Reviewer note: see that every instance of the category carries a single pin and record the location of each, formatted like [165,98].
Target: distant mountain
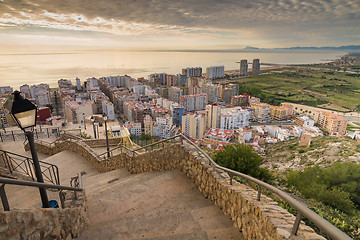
[348,47]
[249,47]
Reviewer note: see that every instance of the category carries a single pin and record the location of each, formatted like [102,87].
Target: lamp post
[84,120]
[24,113]
[106,134]
[93,123]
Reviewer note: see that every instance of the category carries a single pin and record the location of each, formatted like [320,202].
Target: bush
[242,158]
[337,186]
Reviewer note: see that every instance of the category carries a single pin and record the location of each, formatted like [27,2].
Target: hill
[324,151]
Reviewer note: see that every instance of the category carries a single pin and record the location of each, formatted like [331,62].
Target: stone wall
[49,223]
[262,219]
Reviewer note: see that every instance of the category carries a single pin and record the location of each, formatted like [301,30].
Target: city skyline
[163,25]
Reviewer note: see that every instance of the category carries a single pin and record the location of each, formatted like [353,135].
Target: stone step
[155,205]
[98,182]
[70,164]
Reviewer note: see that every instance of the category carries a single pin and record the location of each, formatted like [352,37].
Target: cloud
[227,18]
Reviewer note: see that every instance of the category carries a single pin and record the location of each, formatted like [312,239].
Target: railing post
[1,137]
[259,193]
[296,223]
[12,133]
[231,179]
[47,131]
[37,137]
[4,198]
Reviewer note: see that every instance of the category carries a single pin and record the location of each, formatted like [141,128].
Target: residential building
[304,121]
[139,89]
[243,67]
[334,124]
[192,72]
[133,127]
[228,91]
[235,119]
[212,91]
[175,93]
[194,102]
[240,100]
[92,84]
[78,84]
[74,112]
[215,72]
[255,67]
[25,89]
[177,111]
[262,112]
[193,125]
[253,100]
[163,127]
[213,114]
[148,125]
[171,80]
[158,78]
[216,136]
[5,91]
[278,113]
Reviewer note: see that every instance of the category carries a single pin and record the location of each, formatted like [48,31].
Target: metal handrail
[158,142]
[26,164]
[118,147]
[319,221]
[37,184]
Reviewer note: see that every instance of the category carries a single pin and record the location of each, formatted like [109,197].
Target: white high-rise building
[215,72]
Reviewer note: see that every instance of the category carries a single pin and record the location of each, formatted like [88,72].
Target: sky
[171,25]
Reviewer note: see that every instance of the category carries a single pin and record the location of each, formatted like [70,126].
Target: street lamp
[106,134]
[24,113]
[93,123]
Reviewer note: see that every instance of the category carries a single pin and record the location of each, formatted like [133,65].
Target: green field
[305,86]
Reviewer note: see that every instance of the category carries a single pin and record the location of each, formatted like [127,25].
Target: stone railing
[46,223]
[262,219]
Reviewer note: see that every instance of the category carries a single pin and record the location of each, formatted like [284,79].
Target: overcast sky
[178,24]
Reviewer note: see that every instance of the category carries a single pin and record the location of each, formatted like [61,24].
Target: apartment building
[215,72]
[262,112]
[334,124]
[194,102]
[193,125]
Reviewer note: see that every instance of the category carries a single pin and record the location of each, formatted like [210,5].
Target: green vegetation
[243,159]
[84,135]
[337,186]
[334,193]
[305,86]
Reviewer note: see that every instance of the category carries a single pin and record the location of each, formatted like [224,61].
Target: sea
[48,67]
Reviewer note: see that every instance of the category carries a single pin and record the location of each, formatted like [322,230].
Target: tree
[242,158]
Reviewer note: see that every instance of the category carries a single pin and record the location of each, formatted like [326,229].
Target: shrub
[242,158]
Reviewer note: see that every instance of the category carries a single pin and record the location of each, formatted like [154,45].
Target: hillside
[323,151]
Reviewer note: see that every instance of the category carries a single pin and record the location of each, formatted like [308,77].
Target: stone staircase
[154,205]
